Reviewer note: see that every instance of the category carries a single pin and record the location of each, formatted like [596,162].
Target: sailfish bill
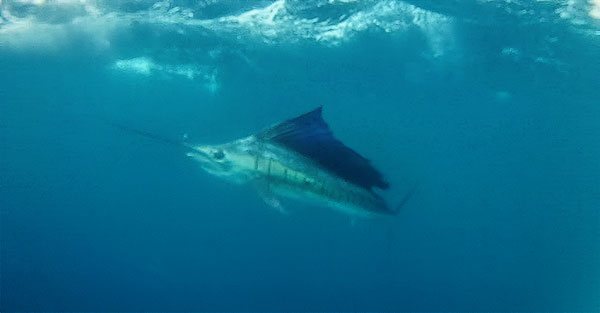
[298,158]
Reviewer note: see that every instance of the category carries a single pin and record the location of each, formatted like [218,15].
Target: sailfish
[298,158]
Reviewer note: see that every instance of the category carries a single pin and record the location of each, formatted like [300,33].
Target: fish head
[230,161]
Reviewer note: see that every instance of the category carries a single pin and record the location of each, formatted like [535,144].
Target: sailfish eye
[219,155]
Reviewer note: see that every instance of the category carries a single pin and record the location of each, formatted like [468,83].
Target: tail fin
[406,197]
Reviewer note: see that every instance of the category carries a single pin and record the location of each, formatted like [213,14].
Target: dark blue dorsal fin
[309,135]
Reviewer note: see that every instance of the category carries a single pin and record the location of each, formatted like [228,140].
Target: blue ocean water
[489,107]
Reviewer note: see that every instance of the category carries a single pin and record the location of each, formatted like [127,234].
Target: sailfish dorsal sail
[309,135]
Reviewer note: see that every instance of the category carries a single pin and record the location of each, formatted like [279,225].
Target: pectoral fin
[268,197]
[276,204]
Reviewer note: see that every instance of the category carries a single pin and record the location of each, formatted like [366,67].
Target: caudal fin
[405,199]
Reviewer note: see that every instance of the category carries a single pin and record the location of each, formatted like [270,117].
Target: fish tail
[405,199]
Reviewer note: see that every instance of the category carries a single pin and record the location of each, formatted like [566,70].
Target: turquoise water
[489,107]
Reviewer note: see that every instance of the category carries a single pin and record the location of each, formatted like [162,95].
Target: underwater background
[490,108]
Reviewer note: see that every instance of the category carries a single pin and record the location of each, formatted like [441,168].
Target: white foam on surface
[595,9]
[33,32]
[274,24]
[270,24]
[145,66]
[54,26]
[96,25]
[582,14]
[141,65]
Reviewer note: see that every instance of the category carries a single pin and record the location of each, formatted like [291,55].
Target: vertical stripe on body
[275,172]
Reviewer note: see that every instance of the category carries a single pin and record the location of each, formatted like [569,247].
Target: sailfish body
[298,158]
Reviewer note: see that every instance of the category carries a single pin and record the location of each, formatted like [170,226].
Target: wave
[193,33]
[330,22]
[46,24]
